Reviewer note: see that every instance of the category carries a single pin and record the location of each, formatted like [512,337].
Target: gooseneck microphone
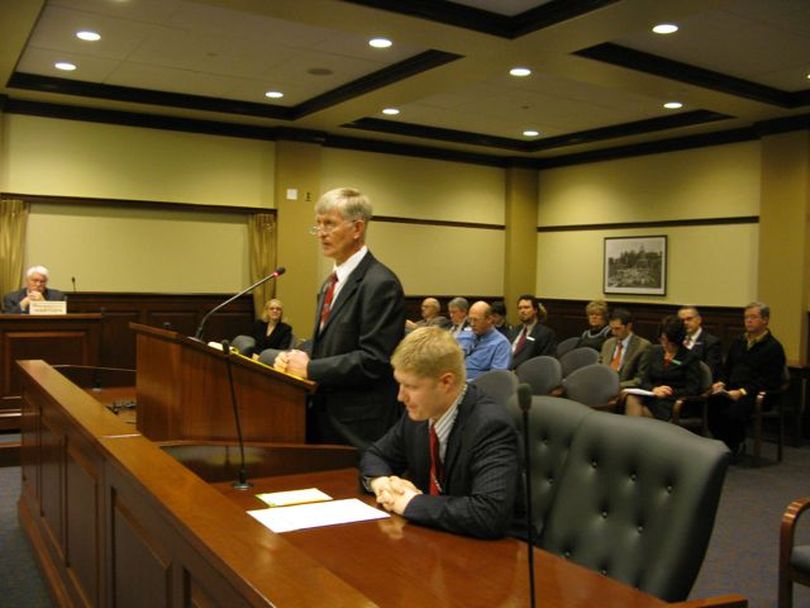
[524,397]
[275,274]
[241,482]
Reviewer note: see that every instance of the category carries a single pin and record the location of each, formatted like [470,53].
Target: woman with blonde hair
[270,331]
[598,329]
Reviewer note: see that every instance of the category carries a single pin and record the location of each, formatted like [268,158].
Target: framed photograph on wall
[635,265]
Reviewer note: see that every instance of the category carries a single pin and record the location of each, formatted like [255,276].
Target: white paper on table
[317,514]
[639,391]
[293,497]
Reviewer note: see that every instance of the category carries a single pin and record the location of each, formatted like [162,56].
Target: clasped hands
[720,387]
[293,362]
[393,493]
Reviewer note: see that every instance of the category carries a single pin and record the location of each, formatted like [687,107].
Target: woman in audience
[270,331]
[670,371]
[598,330]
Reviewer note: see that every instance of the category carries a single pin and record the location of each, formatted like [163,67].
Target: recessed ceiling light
[520,72]
[531,133]
[64,66]
[673,105]
[665,28]
[380,43]
[274,94]
[390,111]
[88,35]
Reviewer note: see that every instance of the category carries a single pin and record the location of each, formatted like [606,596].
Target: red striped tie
[436,468]
[327,299]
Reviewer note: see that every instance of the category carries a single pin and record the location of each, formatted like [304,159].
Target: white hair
[36,270]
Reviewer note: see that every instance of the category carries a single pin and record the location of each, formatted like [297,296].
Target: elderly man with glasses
[359,321]
[35,290]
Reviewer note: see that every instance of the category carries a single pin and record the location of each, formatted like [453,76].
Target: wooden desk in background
[116,520]
[69,338]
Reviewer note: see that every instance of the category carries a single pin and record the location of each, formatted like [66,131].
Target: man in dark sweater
[755,362]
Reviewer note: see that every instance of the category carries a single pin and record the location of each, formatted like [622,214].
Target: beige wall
[120,249]
[72,158]
[429,259]
[709,265]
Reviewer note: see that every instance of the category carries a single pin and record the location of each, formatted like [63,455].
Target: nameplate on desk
[45,307]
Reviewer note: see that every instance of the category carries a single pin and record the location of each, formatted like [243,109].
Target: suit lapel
[346,292]
[455,440]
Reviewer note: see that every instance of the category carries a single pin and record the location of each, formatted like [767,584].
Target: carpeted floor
[742,556]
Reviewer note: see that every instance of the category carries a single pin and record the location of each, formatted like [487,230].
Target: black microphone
[524,397]
[73,280]
[241,482]
[275,274]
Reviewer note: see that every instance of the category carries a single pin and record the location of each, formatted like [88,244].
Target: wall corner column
[784,238]
[520,241]
[298,166]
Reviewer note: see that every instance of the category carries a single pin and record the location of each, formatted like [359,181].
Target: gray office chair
[565,346]
[500,384]
[576,358]
[594,385]
[543,373]
[636,501]
[794,560]
[244,344]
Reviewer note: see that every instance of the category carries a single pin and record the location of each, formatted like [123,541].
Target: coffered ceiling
[599,75]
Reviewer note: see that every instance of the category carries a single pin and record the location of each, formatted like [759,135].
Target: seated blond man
[457,445]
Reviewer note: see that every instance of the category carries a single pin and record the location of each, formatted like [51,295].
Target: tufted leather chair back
[500,384]
[576,358]
[552,424]
[636,500]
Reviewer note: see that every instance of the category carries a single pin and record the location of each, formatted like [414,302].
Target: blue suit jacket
[481,468]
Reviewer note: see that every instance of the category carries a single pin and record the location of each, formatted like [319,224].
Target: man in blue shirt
[484,347]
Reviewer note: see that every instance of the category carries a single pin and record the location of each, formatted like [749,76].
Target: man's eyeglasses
[326,229]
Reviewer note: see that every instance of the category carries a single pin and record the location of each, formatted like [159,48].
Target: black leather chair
[632,498]
[794,560]
[543,373]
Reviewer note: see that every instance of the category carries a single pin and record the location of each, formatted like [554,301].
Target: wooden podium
[183,392]
[72,338]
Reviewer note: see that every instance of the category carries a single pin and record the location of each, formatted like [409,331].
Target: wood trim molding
[407,220]
[709,221]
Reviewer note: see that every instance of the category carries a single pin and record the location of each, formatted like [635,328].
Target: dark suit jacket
[481,468]
[540,341]
[280,338]
[756,369]
[11,301]
[350,356]
[632,368]
[709,350]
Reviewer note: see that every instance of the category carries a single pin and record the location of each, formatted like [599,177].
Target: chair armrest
[788,530]
[677,407]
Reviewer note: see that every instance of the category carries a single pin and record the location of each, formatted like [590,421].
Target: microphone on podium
[273,275]
[524,398]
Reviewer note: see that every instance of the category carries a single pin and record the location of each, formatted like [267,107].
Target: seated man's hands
[662,391]
[393,493]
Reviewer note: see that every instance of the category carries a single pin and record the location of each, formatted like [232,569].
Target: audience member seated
[270,331]
[484,347]
[499,318]
[598,329]
[35,290]
[705,346]
[457,446]
[755,362]
[531,338]
[457,309]
[623,351]
[671,371]
[430,316]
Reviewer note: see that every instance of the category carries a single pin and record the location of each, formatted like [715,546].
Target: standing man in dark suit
[360,321]
[36,289]
[456,445]
[531,338]
[704,346]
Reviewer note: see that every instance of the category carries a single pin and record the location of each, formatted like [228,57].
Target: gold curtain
[262,243]
[13,221]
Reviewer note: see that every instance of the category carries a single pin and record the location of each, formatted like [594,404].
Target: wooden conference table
[117,519]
